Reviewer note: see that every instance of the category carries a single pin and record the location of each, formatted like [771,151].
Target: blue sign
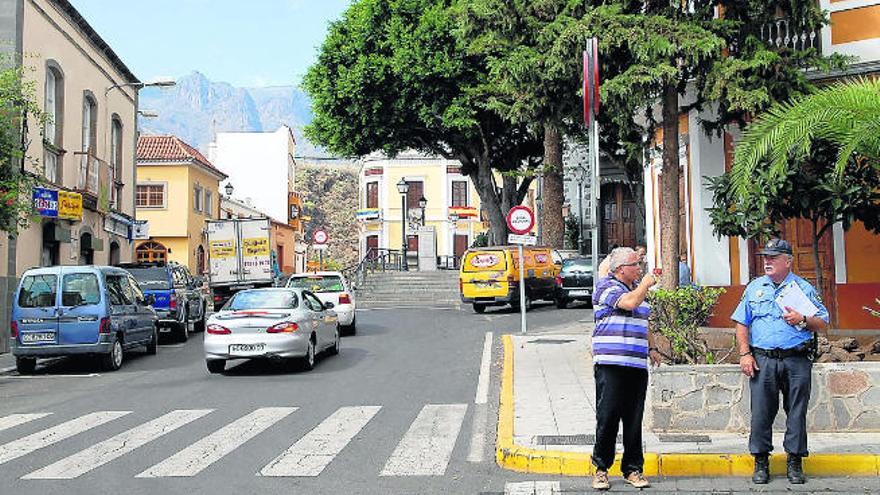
[46,202]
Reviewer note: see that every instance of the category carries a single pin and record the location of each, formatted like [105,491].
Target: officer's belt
[800,350]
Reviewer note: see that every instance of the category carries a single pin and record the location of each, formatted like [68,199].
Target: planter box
[845,398]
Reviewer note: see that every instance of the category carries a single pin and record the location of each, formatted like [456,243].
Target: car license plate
[246,348]
[579,293]
[37,337]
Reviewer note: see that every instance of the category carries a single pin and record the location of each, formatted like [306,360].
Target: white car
[330,287]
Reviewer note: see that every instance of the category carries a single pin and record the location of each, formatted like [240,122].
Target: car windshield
[38,291]
[80,289]
[318,283]
[262,299]
[577,266]
[151,278]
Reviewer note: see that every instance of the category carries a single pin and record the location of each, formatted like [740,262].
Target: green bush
[677,314]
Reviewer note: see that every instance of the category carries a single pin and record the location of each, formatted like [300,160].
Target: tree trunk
[820,282]
[490,202]
[553,225]
[669,191]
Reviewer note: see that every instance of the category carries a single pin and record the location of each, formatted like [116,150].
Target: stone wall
[845,397]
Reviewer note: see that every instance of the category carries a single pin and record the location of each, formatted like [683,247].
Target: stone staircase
[409,289]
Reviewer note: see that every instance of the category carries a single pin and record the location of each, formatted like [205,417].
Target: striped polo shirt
[620,337]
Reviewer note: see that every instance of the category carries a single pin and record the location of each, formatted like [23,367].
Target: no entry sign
[320,237]
[520,220]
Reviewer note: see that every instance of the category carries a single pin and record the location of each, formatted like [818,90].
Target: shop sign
[70,205]
[46,202]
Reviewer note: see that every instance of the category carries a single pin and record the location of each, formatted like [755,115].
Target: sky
[247,43]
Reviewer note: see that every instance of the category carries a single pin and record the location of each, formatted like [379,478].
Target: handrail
[375,259]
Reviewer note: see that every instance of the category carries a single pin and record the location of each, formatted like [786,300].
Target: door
[316,318]
[36,309]
[459,246]
[146,316]
[412,244]
[82,308]
[123,312]
[373,246]
[618,217]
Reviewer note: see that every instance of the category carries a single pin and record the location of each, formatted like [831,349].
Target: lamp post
[422,204]
[403,189]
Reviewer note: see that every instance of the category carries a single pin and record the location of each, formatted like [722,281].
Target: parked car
[490,276]
[574,282]
[271,323]
[180,303]
[80,310]
[331,287]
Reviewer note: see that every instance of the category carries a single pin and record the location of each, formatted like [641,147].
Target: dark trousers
[620,396]
[791,377]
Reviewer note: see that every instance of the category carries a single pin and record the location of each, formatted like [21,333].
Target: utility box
[427,249]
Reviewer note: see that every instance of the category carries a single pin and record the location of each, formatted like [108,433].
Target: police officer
[775,348]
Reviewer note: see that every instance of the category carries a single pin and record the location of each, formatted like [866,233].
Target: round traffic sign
[320,237]
[520,220]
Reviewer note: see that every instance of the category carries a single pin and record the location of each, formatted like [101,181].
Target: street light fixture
[422,204]
[229,189]
[403,189]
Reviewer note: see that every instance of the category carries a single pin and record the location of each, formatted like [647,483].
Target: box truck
[239,256]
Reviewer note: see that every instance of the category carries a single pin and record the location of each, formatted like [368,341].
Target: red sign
[591,81]
[520,220]
[320,237]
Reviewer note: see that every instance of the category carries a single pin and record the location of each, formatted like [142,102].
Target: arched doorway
[51,247]
[200,260]
[151,252]
[86,253]
[113,259]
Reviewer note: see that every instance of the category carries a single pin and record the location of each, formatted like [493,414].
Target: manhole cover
[683,438]
[551,341]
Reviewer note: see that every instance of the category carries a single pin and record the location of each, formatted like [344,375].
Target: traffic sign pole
[520,221]
[522,292]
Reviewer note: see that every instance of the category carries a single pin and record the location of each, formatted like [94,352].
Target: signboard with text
[526,240]
[520,220]
[70,205]
[45,202]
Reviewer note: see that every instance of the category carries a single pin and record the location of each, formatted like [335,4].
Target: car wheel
[112,361]
[153,344]
[200,325]
[561,302]
[334,349]
[352,329]
[183,330]
[216,365]
[479,308]
[308,361]
[25,365]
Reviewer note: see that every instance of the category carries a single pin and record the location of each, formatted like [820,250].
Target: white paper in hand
[791,296]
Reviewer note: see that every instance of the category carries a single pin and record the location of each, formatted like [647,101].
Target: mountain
[197,108]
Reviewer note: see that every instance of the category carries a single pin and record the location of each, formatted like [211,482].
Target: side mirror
[149,300]
[328,305]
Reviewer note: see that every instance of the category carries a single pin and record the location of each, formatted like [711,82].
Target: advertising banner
[46,202]
[70,205]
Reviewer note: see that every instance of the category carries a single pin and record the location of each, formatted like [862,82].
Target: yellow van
[490,276]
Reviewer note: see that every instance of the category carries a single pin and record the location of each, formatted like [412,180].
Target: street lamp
[403,189]
[229,188]
[422,204]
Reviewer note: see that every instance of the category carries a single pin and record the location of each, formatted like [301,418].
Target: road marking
[113,448]
[14,420]
[45,438]
[482,396]
[532,488]
[34,377]
[427,446]
[478,434]
[198,456]
[313,452]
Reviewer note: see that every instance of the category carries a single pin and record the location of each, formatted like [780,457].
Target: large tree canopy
[393,75]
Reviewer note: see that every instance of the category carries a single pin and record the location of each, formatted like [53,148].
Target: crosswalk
[425,448]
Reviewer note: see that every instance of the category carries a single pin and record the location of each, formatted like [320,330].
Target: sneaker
[637,479]
[600,481]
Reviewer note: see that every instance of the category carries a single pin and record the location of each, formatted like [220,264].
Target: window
[197,198]
[53,106]
[372,194]
[209,203]
[115,162]
[38,291]
[459,193]
[135,291]
[151,252]
[416,191]
[118,290]
[89,124]
[78,289]
[150,195]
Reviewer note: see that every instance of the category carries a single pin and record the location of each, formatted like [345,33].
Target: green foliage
[480,240]
[677,314]
[572,234]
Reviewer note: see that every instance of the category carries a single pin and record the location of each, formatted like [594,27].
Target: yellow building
[451,216]
[177,191]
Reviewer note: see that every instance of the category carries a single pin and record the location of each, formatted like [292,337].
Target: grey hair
[619,256]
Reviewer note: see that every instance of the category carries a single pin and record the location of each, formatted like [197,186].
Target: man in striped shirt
[621,347]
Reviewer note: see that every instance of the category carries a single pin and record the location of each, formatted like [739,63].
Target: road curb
[527,460]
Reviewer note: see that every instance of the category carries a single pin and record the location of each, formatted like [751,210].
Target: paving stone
[846,383]
[867,420]
[841,413]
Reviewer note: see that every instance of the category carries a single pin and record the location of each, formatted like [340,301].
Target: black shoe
[795,470]
[761,475]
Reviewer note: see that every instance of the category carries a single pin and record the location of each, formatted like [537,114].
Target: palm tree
[846,114]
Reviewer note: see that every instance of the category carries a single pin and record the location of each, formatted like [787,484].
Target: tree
[846,114]
[18,110]
[813,190]
[394,75]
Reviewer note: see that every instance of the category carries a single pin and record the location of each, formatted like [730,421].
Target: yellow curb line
[527,460]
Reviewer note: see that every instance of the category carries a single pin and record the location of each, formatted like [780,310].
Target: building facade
[178,189]
[848,259]
[84,160]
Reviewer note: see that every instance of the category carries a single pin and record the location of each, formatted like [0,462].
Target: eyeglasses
[634,263]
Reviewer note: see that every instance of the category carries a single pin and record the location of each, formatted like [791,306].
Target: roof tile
[170,149]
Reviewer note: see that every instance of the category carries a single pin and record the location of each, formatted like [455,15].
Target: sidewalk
[547,422]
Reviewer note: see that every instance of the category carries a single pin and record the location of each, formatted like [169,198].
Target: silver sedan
[271,323]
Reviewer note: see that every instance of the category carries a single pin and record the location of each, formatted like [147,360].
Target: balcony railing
[95,179]
[786,33]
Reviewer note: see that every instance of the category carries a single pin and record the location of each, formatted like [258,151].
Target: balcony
[95,181]
[786,33]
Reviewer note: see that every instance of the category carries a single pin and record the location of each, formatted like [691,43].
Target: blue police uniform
[781,351]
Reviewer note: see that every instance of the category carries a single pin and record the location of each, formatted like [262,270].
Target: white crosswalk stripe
[198,456]
[14,420]
[313,452]
[45,438]
[108,450]
[532,488]
[426,448]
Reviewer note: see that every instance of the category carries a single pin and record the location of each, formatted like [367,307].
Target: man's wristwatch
[744,354]
[803,323]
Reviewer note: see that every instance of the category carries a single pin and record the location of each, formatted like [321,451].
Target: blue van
[76,310]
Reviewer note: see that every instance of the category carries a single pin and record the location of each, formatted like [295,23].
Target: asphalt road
[401,410]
